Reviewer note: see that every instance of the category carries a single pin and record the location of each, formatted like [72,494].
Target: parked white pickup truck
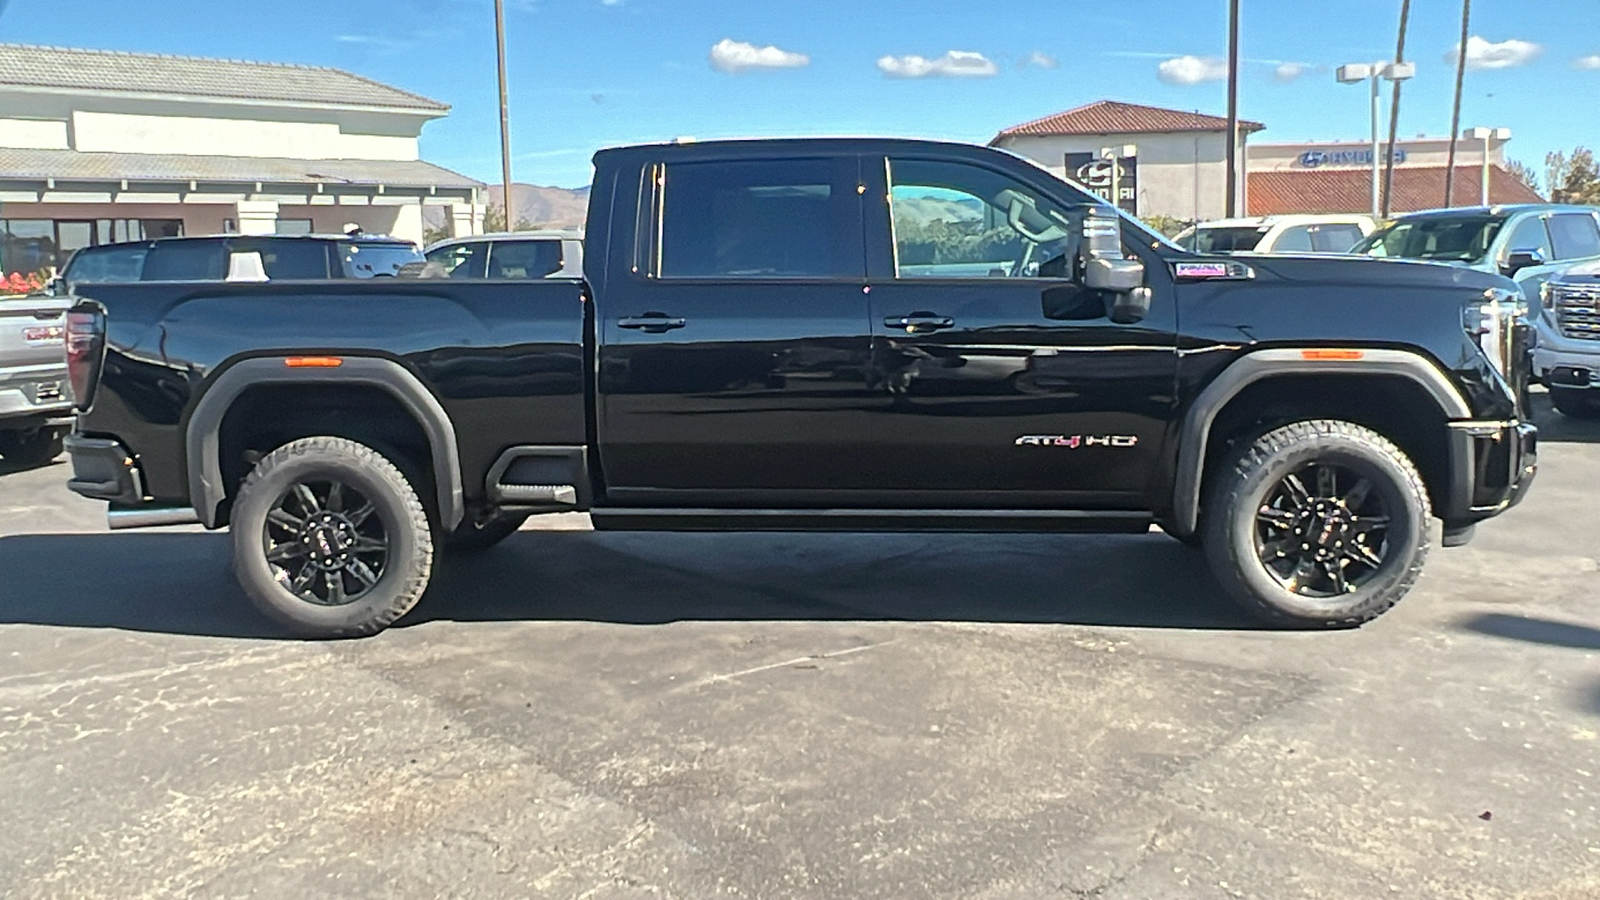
[35,394]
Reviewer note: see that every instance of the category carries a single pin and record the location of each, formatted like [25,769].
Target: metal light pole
[1375,73]
[1115,155]
[1232,204]
[1486,135]
[505,115]
[1455,115]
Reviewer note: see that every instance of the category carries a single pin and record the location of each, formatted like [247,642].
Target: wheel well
[264,418]
[1395,407]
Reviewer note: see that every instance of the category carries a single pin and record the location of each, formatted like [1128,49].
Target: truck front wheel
[1318,524]
[330,540]
[1576,403]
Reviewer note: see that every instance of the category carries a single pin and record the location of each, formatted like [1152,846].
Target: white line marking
[788,662]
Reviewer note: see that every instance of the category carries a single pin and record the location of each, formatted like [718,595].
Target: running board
[891,520]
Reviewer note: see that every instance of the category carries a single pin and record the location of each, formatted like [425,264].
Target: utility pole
[1455,117]
[1232,204]
[1394,111]
[505,115]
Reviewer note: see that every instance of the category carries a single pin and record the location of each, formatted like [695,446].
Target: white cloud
[1481,54]
[1040,59]
[1589,63]
[954,64]
[1192,70]
[1289,71]
[732,56]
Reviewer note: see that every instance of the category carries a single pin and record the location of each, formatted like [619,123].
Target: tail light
[86,350]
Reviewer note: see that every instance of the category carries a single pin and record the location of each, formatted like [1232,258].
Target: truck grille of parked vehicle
[1577,309]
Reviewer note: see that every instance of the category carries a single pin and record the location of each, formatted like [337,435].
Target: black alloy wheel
[1323,531]
[1316,524]
[324,543]
[330,539]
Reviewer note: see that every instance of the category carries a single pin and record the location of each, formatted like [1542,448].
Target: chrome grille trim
[1577,310]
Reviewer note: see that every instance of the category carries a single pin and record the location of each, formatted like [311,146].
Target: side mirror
[1521,259]
[1105,267]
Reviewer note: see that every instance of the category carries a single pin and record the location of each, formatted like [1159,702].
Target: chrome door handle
[652,323]
[920,323]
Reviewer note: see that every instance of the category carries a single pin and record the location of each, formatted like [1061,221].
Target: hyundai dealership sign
[1344,156]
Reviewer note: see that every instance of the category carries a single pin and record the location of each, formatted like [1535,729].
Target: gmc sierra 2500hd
[819,335]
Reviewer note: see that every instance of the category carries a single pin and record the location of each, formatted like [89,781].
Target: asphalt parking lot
[773,716]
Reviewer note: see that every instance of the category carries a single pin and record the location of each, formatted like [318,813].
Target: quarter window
[109,265]
[960,221]
[1574,236]
[758,219]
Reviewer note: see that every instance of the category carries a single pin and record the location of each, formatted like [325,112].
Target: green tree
[494,219]
[1573,179]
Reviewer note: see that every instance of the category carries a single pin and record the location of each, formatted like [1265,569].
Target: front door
[733,362]
[1009,386]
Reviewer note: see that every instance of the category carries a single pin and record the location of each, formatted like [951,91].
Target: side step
[886,520]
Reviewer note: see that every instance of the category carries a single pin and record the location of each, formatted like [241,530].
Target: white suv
[1279,234]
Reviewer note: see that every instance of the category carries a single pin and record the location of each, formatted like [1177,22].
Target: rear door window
[1574,236]
[187,260]
[759,219]
[107,265]
[524,259]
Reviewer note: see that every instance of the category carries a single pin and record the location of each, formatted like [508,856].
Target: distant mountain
[545,207]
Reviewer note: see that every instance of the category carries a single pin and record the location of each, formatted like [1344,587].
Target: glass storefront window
[29,246]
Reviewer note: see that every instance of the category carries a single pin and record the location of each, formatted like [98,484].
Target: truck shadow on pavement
[1549,632]
[180,583]
[1556,428]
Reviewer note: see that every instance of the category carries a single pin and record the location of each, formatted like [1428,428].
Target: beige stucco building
[97,147]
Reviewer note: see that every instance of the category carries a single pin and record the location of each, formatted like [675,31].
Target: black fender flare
[1263,364]
[202,438]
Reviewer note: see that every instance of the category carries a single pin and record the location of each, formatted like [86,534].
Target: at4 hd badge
[1076,441]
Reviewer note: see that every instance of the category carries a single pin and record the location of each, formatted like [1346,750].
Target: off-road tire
[406,569]
[1238,490]
[1576,403]
[470,537]
[33,446]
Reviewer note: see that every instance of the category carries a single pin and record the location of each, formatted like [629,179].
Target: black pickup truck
[856,335]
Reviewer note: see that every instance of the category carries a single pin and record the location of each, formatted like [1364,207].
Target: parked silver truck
[35,393]
[1567,356]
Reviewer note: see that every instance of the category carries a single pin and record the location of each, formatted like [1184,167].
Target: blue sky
[591,73]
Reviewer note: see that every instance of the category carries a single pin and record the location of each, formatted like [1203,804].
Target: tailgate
[32,332]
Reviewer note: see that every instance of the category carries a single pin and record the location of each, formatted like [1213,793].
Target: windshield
[377,260]
[1238,239]
[1455,239]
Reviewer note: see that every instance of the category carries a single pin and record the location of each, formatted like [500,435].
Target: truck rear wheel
[1318,524]
[330,540]
[32,446]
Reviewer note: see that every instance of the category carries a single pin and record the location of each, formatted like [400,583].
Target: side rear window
[1531,235]
[107,265]
[289,260]
[1337,238]
[1574,236]
[524,259]
[458,261]
[1294,240]
[186,260]
[759,219]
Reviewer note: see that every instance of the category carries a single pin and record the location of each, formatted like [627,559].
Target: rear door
[1009,386]
[733,355]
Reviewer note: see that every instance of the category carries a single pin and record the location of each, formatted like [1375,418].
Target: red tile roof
[1112,117]
[1283,191]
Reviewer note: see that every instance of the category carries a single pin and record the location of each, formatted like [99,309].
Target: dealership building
[98,147]
[1177,166]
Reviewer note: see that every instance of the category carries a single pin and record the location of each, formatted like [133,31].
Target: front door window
[959,221]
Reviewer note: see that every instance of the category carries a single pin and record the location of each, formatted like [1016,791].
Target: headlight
[1494,320]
